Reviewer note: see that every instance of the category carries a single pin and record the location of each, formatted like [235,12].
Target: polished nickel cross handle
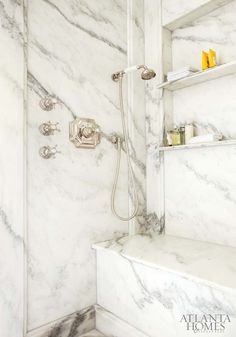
[47,152]
[48,128]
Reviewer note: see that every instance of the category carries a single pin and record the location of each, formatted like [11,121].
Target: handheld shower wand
[146,74]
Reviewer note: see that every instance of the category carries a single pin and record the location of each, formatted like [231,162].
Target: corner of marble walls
[73,325]
[12,168]
[154,220]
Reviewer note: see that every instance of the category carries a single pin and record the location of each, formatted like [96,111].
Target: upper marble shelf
[198,145]
[201,76]
[187,16]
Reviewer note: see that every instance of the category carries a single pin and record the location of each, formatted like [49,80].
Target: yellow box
[212,58]
[205,60]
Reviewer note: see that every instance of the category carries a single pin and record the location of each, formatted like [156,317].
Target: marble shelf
[201,76]
[190,16]
[198,145]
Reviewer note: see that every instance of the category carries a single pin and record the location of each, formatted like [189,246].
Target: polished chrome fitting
[47,152]
[48,128]
[85,133]
[115,77]
[48,103]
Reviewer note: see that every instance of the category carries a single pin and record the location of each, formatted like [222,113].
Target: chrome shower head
[147,74]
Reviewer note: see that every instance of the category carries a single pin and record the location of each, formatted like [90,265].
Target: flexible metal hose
[117,171]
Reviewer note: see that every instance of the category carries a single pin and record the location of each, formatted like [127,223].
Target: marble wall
[177,182]
[11,168]
[200,185]
[73,48]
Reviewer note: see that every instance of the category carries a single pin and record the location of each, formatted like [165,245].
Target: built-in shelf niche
[168,88]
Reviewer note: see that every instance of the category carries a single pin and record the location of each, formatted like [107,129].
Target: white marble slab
[11,168]
[209,263]
[136,108]
[74,47]
[154,118]
[154,300]
[200,194]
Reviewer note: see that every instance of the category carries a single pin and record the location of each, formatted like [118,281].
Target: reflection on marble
[70,326]
[154,299]
[201,205]
[74,47]
[11,168]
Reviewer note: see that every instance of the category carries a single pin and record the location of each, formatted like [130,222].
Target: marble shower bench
[153,284]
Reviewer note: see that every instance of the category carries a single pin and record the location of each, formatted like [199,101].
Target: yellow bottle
[205,60]
[212,58]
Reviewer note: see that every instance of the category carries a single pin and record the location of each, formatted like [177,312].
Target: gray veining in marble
[11,168]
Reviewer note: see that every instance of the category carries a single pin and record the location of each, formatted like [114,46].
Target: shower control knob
[87,132]
[48,103]
[48,128]
[47,152]
[84,133]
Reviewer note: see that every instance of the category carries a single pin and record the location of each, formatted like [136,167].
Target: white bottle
[188,132]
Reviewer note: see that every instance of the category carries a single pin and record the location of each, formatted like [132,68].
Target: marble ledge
[211,264]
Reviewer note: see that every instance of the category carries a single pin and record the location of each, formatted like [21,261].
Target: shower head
[147,74]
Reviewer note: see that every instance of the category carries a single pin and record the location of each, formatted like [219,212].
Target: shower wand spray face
[148,74]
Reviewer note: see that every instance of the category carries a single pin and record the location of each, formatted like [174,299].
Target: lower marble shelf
[198,145]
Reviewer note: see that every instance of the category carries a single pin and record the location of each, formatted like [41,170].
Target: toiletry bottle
[205,60]
[182,134]
[169,136]
[176,136]
[188,132]
[212,58]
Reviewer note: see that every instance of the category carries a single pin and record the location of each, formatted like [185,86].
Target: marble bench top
[209,263]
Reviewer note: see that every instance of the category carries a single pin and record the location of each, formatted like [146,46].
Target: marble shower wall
[191,176]
[11,167]
[200,184]
[73,48]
